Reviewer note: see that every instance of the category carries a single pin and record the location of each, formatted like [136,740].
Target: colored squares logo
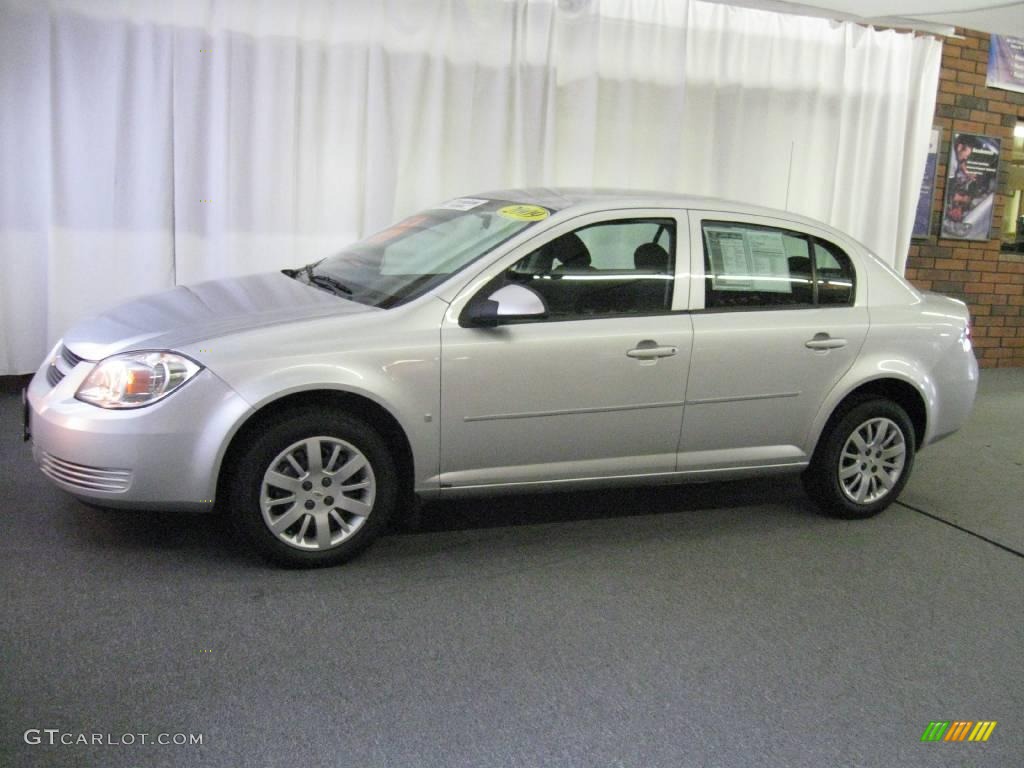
[982,730]
[958,730]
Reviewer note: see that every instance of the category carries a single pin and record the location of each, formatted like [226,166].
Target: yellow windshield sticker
[524,212]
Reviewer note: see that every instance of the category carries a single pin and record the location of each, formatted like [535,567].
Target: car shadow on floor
[192,537]
[202,537]
[558,507]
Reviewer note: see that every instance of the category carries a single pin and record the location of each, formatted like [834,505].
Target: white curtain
[149,143]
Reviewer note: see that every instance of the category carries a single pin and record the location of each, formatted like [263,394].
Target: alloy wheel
[317,493]
[872,460]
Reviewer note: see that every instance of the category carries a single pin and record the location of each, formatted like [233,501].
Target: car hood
[188,314]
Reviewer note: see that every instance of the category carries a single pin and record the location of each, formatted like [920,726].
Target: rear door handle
[824,341]
[650,350]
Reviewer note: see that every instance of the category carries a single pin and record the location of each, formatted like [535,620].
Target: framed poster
[923,217]
[970,187]
[1006,63]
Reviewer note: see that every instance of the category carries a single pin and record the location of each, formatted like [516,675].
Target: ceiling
[935,16]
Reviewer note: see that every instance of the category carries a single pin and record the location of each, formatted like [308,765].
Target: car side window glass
[834,274]
[611,268]
[747,265]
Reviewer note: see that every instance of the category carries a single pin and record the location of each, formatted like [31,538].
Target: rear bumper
[164,456]
[956,386]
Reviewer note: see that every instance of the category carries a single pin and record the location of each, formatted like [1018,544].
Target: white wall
[308,125]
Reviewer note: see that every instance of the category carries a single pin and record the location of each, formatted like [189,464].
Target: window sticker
[524,212]
[748,260]
[730,265]
[462,204]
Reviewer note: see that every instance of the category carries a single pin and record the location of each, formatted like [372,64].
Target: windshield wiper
[323,281]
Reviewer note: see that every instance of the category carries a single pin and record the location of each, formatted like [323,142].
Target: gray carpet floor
[714,625]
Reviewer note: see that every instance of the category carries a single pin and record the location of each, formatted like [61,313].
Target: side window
[612,268]
[752,266]
[612,246]
[747,265]
[834,275]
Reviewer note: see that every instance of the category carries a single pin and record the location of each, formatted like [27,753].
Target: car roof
[586,200]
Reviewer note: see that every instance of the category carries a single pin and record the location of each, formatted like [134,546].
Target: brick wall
[990,281]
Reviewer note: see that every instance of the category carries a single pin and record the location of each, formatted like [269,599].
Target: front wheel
[863,461]
[313,488]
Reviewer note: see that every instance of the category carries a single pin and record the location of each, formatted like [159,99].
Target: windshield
[411,257]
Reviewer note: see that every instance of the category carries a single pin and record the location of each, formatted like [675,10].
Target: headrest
[651,256]
[571,252]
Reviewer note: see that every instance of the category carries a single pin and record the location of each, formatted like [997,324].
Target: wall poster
[970,187]
[1006,63]
[923,217]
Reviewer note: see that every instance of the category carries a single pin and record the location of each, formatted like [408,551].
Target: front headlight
[135,379]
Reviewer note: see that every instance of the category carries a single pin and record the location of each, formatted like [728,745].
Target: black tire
[244,486]
[822,479]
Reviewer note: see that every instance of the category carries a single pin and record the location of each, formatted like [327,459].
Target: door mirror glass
[518,301]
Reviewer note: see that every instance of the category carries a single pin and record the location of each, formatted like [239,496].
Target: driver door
[595,388]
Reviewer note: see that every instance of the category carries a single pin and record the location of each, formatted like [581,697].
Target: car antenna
[789,172]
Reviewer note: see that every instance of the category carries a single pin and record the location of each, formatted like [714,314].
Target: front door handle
[650,350]
[824,341]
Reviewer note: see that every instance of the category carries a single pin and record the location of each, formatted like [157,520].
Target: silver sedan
[514,340]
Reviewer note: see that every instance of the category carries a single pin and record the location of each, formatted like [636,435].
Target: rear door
[779,315]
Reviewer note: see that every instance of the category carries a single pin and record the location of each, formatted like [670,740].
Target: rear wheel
[863,461]
[313,488]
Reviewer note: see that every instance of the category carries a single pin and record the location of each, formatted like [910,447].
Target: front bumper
[164,456]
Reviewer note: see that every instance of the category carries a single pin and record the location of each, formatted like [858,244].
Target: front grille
[69,357]
[61,365]
[82,476]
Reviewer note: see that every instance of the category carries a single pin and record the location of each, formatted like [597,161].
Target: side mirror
[512,302]
[480,314]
